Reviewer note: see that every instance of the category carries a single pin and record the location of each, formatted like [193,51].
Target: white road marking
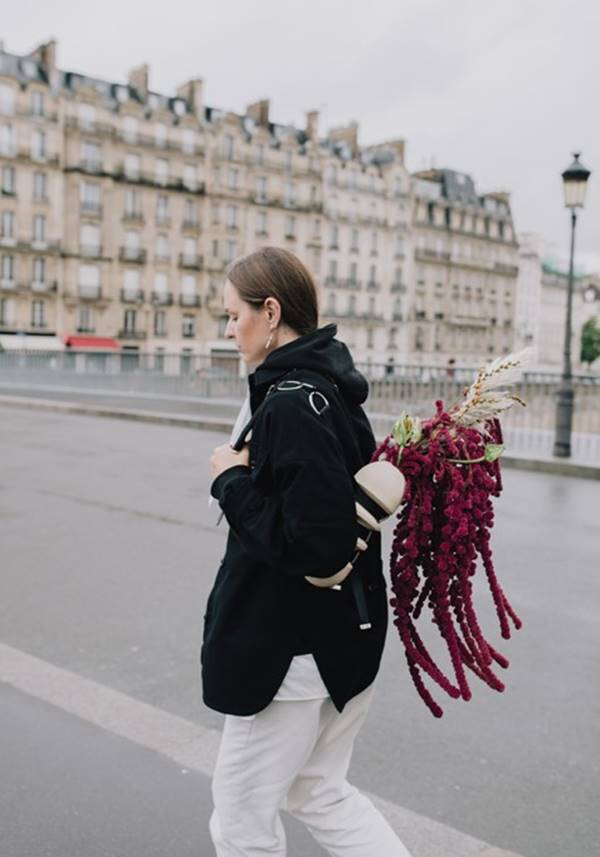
[195,747]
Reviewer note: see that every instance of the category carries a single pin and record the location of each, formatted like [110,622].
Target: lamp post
[574,185]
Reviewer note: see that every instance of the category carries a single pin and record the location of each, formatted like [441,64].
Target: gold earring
[268,342]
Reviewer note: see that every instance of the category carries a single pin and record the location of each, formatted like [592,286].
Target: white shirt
[303,679]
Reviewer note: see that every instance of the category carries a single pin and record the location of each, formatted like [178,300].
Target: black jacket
[291,514]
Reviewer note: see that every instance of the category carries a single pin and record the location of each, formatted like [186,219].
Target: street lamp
[574,185]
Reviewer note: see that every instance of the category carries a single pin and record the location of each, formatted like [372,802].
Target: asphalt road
[108,551]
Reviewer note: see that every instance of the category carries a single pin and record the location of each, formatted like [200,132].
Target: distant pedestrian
[450,367]
[290,663]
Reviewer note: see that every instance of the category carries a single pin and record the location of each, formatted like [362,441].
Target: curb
[224,425]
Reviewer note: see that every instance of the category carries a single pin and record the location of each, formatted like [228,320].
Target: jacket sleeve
[307,525]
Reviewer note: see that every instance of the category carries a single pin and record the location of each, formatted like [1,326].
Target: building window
[370,337]
[161,285]
[373,244]
[133,204]
[261,223]
[8,181]
[290,227]
[288,161]
[231,212]
[39,271]
[86,320]
[190,213]
[8,224]
[132,165]
[372,275]
[160,135]
[38,314]
[353,272]
[188,141]
[7,269]
[290,194]
[354,241]
[90,156]
[334,238]
[232,179]
[261,189]
[230,251]
[38,103]
[190,179]
[162,247]
[7,312]
[129,320]
[39,228]
[7,141]
[131,283]
[161,171]
[317,228]
[89,281]
[188,325]
[260,155]
[130,129]
[352,304]
[160,323]
[87,116]
[40,187]
[162,209]
[332,275]
[215,249]
[228,147]
[38,146]
[89,239]
[7,100]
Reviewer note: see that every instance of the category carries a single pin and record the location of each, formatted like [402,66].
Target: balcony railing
[132,254]
[191,260]
[131,334]
[90,252]
[398,287]
[132,296]
[189,300]
[93,209]
[133,217]
[43,285]
[89,293]
[90,166]
[191,224]
[162,298]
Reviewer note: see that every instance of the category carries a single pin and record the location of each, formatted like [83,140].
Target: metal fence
[411,388]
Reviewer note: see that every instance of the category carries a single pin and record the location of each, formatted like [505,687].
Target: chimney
[259,111]
[192,91]
[46,56]
[398,146]
[138,80]
[312,125]
[346,134]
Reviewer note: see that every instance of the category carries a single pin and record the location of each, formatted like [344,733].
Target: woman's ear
[273,310]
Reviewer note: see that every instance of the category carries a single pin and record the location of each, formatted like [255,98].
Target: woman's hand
[224,457]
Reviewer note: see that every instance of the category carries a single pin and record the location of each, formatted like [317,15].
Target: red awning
[104,343]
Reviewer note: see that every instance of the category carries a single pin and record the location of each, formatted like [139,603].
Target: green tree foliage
[590,341]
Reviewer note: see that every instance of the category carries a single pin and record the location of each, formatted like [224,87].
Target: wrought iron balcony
[191,260]
[132,296]
[132,254]
[162,298]
[189,300]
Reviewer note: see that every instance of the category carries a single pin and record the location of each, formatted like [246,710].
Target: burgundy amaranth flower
[452,472]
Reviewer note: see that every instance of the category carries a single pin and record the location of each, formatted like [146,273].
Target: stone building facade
[121,207]
[465,270]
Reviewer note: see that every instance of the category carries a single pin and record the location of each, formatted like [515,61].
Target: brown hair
[273,272]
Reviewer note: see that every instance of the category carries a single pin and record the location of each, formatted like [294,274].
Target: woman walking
[290,662]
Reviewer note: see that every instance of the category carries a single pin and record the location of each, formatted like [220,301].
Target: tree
[590,341]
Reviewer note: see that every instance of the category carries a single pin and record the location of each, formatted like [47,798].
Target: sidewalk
[220,418]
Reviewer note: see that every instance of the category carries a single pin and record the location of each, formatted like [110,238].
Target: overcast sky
[504,91]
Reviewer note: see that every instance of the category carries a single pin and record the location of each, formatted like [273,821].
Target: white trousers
[295,755]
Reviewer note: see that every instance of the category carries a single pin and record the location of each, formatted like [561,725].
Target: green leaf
[493,451]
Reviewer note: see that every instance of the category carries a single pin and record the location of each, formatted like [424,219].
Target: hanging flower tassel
[451,464]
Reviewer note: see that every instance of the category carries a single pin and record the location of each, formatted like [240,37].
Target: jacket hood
[321,352]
